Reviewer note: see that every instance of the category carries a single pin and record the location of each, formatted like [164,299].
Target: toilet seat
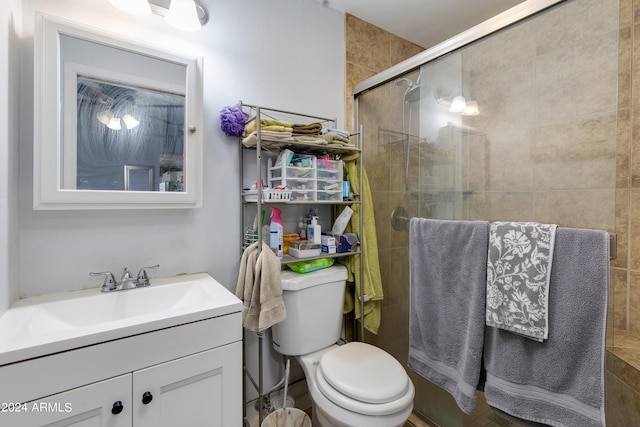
[364,379]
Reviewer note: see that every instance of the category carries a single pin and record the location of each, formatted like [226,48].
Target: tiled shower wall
[370,50]
[366,55]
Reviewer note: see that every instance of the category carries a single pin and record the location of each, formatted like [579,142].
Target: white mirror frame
[48,190]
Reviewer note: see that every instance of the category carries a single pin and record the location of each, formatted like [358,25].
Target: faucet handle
[109,281]
[126,275]
[142,278]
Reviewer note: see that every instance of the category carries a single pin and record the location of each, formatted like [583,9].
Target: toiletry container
[276,232]
[314,231]
[354,384]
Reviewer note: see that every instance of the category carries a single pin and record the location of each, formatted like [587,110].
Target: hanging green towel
[373,294]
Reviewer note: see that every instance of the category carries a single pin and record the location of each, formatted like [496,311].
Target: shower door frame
[491,25]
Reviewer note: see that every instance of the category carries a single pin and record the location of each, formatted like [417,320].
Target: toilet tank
[314,303]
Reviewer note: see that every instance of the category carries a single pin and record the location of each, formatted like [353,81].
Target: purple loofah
[232,120]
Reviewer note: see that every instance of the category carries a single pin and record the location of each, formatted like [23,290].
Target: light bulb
[183,15]
[471,109]
[114,123]
[133,7]
[458,104]
[129,121]
[104,116]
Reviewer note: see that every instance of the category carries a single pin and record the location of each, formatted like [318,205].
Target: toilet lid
[364,373]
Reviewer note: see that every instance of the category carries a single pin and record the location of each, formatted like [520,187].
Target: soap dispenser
[314,232]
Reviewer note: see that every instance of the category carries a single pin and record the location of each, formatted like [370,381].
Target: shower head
[404,81]
[413,94]
[414,90]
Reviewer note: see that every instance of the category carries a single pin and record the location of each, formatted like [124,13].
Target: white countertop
[38,326]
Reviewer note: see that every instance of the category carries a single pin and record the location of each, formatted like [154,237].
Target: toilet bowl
[360,397]
[352,385]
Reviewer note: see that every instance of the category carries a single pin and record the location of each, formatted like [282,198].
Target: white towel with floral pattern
[518,271]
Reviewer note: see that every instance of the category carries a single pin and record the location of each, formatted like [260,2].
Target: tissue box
[327,240]
[328,244]
[347,242]
[329,249]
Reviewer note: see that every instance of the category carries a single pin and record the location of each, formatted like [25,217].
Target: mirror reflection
[128,138]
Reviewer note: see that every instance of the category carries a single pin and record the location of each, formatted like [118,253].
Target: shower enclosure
[520,125]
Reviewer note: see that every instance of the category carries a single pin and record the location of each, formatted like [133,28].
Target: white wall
[9,133]
[282,53]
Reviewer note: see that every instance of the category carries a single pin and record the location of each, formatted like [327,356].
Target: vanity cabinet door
[103,404]
[204,389]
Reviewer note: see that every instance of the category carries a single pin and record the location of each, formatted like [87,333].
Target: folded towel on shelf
[342,133]
[310,128]
[310,140]
[371,279]
[335,139]
[559,381]
[447,275]
[260,288]
[267,124]
[518,272]
[267,136]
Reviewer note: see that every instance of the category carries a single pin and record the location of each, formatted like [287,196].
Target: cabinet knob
[147,397]
[117,407]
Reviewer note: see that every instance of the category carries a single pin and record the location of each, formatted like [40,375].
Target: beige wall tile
[634,301]
[366,44]
[635,148]
[635,69]
[573,22]
[634,229]
[577,80]
[576,154]
[625,50]
[623,149]
[578,208]
[622,228]
[622,404]
[619,299]
[401,49]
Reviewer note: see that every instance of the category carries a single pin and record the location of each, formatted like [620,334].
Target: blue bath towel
[560,381]
[448,274]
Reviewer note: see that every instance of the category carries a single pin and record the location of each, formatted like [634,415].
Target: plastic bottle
[302,229]
[314,233]
[276,232]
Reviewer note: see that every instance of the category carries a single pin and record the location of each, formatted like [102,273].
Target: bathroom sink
[42,325]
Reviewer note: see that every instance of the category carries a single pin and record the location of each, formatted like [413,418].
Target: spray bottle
[276,232]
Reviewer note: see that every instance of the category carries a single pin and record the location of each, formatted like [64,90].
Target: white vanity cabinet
[188,375]
[193,391]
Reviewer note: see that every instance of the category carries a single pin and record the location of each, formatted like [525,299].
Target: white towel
[518,272]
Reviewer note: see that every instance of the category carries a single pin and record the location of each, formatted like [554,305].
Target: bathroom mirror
[117,124]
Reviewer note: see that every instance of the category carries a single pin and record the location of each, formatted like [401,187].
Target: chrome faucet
[127,281]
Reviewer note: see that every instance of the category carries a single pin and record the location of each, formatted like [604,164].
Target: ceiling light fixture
[183,15]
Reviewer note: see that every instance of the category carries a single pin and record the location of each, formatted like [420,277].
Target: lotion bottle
[276,232]
[313,231]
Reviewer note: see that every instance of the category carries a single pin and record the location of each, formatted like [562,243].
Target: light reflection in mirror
[123,130]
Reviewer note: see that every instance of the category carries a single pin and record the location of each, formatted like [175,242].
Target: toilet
[350,385]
